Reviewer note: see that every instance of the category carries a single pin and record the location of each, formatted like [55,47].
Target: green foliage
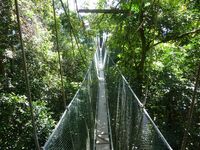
[43,69]
[156,46]
[7,42]
[16,130]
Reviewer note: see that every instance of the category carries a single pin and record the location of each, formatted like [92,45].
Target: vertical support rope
[73,33]
[28,91]
[59,58]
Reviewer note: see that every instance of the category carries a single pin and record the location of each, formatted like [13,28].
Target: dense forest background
[155,45]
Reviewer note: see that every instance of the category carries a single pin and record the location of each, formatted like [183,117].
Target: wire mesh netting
[132,128]
[129,124]
[75,130]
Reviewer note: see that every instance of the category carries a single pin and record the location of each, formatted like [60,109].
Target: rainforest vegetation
[155,44]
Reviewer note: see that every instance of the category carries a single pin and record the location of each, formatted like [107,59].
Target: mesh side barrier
[130,125]
[75,130]
[132,128]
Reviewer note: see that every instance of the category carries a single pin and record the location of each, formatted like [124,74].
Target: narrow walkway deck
[105,115]
[102,127]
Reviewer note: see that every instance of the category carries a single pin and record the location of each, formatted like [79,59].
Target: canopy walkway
[105,114]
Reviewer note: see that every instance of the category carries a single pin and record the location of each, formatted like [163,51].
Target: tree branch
[106,11]
[197,31]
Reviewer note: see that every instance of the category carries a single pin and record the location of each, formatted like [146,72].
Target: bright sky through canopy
[82,4]
[89,4]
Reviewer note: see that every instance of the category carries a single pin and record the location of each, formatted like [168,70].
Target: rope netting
[132,127]
[75,130]
[129,125]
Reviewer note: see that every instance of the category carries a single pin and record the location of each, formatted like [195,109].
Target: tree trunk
[190,114]
[144,50]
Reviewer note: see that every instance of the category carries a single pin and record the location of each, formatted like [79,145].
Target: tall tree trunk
[190,114]
[144,50]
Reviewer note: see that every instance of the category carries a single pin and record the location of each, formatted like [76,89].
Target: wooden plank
[105,11]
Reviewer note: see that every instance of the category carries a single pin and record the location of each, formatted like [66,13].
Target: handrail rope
[157,130]
[27,79]
[71,32]
[148,80]
[139,102]
[68,107]
[59,58]
[79,16]
[81,19]
[76,5]
[75,37]
[142,106]
[109,124]
[72,42]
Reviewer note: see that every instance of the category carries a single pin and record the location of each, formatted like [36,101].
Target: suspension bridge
[105,114]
